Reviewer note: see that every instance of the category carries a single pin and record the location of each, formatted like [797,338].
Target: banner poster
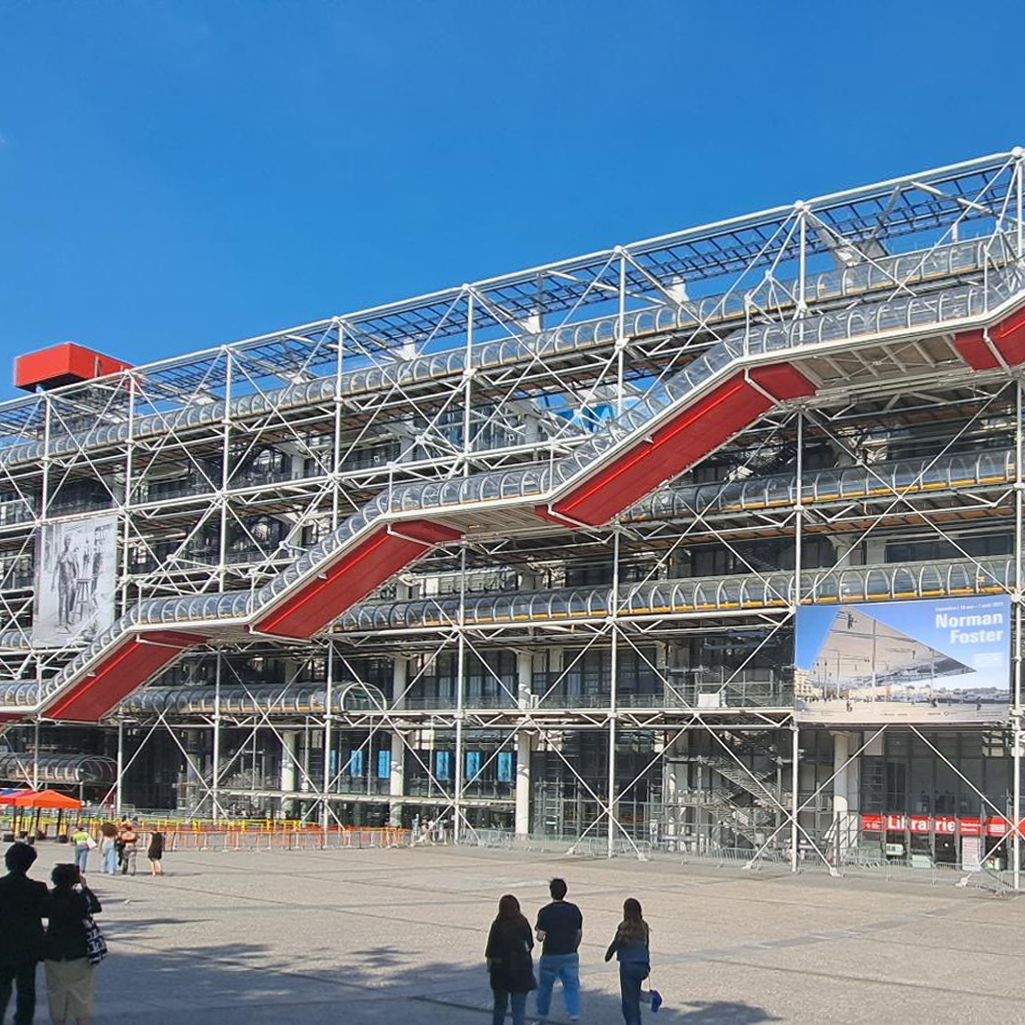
[75,580]
[938,661]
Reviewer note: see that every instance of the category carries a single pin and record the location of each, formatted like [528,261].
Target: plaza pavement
[397,936]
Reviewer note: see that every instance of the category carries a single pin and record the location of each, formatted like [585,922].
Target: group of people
[69,946]
[559,929]
[119,849]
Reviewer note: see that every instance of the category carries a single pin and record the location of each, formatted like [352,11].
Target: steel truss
[225,466]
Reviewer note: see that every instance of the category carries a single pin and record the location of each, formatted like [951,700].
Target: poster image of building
[946,660]
[75,580]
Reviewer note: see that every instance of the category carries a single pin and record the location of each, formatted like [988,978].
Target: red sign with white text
[944,825]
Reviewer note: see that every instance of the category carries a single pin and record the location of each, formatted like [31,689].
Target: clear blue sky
[177,174]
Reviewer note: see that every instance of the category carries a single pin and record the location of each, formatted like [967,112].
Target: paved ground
[397,936]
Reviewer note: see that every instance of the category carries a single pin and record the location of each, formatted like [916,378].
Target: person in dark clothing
[70,982]
[509,962]
[630,945]
[559,931]
[155,853]
[22,902]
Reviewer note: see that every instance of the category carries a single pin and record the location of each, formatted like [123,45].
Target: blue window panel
[473,763]
[383,764]
[505,767]
[356,763]
[443,765]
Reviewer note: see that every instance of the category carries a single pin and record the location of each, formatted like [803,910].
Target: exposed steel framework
[437,478]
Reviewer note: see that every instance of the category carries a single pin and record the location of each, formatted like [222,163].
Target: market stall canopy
[9,795]
[45,799]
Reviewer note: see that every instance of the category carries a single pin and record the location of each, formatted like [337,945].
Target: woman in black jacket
[509,962]
[70,984]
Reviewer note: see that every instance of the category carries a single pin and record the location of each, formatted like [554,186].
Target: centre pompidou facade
[709,543]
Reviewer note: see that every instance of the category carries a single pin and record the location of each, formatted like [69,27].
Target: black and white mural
[75,580]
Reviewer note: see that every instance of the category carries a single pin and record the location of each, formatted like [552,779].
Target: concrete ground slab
[398,935]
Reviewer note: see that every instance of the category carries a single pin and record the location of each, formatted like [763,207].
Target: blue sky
[177,174]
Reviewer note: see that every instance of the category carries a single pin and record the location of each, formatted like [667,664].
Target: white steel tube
[795,754]
[325,808]
[120,767]
[215,769]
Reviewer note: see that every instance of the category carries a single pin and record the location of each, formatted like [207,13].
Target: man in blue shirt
[560,927]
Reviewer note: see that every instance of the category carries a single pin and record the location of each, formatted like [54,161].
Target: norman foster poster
[943,660]
[75,580]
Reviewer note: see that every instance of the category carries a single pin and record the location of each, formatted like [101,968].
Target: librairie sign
[942,825]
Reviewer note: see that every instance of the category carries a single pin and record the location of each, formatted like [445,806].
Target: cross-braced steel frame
[670,622]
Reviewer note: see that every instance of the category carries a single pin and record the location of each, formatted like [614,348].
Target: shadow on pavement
[245,982]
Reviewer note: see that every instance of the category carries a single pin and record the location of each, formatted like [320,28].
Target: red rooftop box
[63,364]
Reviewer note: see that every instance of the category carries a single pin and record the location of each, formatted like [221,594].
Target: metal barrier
[546,843]
[285,840]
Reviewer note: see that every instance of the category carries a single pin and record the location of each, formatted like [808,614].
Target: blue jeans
[109,853]
[559,966]
[519,1007]
[81,856]
[631,975]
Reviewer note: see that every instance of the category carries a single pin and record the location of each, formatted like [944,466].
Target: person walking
[560,928]
[21,932]
[119,842]
[70,982]
[155,853]
[631,947]
[129,850]
[84,843]
[510,965]
[108,848]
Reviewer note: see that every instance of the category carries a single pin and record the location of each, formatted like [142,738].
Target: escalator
[683,417]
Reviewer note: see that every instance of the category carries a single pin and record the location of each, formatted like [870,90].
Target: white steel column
[397,764]
[325,809]
[289,755]
[798,539]
[794,792]
[215,769]
[120,767]
[614,674]
[457,803]
[525,677]
[35,756]
[222,556]
[841,799]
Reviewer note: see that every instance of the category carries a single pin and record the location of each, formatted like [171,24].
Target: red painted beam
[127,667]
[783,381]
[679,443]
[353,577]
[1007,337]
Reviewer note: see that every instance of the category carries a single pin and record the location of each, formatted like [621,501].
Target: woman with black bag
[73,947]
[509,961]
